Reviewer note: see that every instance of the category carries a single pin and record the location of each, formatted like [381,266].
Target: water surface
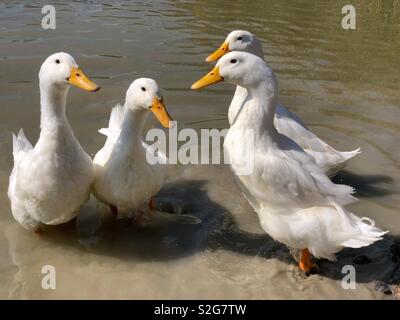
[343,84]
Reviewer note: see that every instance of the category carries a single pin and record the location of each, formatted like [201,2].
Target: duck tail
[358,232]
[343,158]
[21,145]
[366,234]
[347,155]
[115,122]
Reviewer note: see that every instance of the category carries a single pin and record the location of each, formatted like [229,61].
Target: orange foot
[306,264]
[114,210]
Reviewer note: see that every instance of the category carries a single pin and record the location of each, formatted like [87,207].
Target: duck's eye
[58,61]
[143,89]
[239,38]
[233,61]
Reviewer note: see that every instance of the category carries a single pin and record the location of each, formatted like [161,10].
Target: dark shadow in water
[378,263]
[217,231]
[366,186]
[172,239]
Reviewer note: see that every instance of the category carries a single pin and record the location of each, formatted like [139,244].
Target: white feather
[296,202]
[286,122]
[51,181]
[124,175]
[21,145]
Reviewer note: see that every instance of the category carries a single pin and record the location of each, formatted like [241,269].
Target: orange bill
[161,113]
[212,77]
[79,79]
[222,50]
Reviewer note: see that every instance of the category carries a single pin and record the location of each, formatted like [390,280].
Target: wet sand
[343,84]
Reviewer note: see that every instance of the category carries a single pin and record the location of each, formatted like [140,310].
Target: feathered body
[286,122]
[128,172]
[330,160]
[50,181]
[124,177]
[297,204]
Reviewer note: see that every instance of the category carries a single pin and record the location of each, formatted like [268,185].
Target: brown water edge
[344,84]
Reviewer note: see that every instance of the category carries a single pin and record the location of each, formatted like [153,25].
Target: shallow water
[343,84]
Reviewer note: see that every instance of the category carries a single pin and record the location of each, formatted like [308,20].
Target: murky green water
[343,84]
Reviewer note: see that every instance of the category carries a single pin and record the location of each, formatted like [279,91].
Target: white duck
[296,202]
[128,172]
[51,181]
[286,122]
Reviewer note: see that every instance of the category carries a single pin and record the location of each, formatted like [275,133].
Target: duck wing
[21,146]
[114,124]
[303,184]
[328,158]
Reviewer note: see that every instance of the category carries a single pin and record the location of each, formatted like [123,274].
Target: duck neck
[132,127]
[241,92]
[53,100]
[256,49]
[259,109]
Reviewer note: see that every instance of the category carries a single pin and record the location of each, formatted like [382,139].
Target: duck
[50,181]
[296,202]
[129,172]
[286,122]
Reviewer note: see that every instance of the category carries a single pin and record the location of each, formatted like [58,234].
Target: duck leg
[114,210]
[306,264]
[152,208]
[38,231]
[152,204]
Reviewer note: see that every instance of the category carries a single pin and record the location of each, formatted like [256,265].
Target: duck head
[238,40]
[238,68]
[144,94]
[61,70]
